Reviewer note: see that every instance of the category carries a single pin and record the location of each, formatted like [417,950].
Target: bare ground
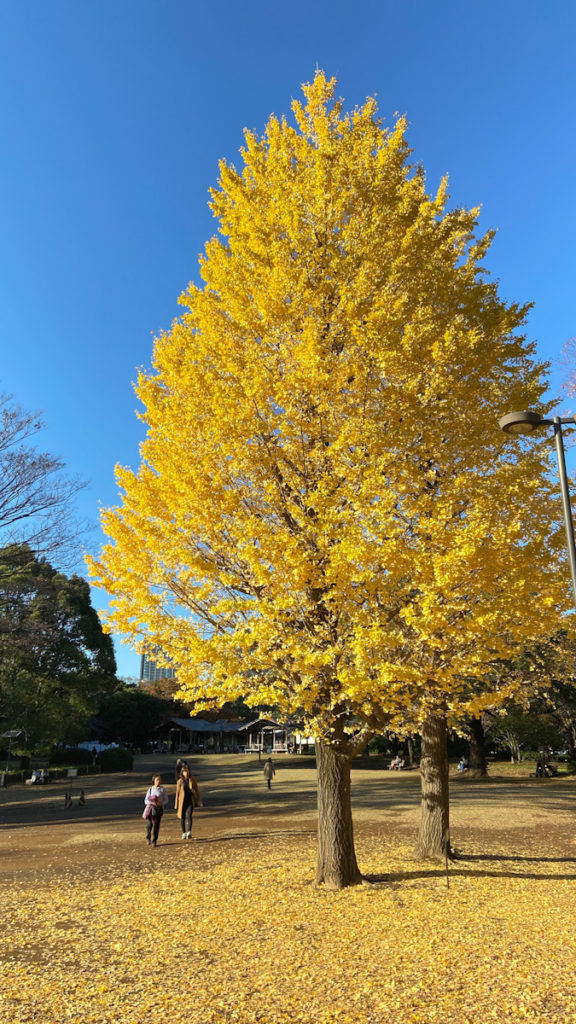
[40,838]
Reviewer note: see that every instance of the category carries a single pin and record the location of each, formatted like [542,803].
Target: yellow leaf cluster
[326,516]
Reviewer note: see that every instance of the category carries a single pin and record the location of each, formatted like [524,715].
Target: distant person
[156,799]
[187,796]
[269,772]
[463,764]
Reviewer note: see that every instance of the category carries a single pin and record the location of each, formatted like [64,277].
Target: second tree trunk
[434,837]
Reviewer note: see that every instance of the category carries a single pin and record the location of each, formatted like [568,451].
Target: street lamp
[524,423]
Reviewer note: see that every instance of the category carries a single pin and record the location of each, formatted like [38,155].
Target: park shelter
[263,735]
[196,735]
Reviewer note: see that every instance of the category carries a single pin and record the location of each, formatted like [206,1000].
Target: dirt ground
[41,838]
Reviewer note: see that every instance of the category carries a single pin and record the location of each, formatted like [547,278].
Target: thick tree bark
[336,865]
[477,763]
[433,836]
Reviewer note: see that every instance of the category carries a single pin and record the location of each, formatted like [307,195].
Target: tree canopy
[325,499]
[130,715]
[326,516]
[54,656]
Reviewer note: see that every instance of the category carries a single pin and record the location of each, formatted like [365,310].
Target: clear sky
[114,116]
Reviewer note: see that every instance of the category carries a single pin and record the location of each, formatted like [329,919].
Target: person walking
[269,772]
[187,796]
[156,800]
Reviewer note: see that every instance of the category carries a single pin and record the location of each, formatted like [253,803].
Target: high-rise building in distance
[150,672]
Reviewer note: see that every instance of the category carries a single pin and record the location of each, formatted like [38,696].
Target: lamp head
[520,422]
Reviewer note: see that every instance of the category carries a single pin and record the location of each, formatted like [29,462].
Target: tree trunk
[336,865]
[571,731]
[477,763]
[433,836]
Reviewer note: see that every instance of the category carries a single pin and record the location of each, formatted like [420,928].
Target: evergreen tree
[54,656]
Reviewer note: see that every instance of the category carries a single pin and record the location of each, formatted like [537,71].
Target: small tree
[326,517]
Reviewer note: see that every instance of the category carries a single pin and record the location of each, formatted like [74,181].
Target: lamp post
[524,423]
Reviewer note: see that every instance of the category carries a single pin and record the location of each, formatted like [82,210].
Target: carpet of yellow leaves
[234,932]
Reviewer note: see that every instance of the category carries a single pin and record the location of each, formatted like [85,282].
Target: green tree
[130,715]
[54,656]
[519,729]
[555,665]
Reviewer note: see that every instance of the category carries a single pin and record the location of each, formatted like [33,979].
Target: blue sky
[114,116]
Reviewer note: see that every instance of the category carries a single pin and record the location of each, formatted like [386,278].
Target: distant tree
[130,715]
[544,674]
[36,497]
[561,705]
[556,671]
[241,710]
[326,517]
[477,761]
[519,729]
[54,655]
[165,688]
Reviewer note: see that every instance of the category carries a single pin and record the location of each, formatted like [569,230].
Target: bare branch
[35,496]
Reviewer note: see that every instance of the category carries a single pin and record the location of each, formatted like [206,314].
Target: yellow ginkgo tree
[326,517]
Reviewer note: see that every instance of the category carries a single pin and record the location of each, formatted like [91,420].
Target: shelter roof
[201,725]
[263,722]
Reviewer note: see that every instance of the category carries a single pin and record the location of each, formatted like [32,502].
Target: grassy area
[525,769]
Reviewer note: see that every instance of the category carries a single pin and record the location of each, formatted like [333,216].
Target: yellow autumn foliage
[326,516]
[239,936]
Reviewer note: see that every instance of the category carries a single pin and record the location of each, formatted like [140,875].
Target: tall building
[150,672]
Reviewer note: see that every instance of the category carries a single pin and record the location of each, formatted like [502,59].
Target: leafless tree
[36,496]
